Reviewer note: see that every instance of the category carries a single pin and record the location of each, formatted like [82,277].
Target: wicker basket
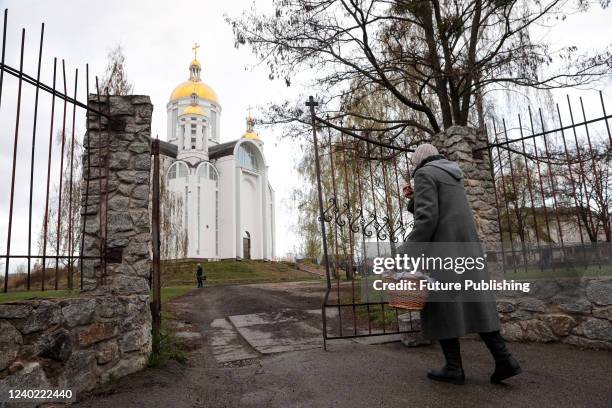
[406,299]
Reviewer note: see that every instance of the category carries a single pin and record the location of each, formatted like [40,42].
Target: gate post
[117,220]
[467,147]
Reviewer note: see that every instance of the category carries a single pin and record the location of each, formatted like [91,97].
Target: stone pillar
[104,333]
[125,214]
[459,144]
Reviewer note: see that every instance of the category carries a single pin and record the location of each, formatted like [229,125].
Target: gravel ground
[349,374]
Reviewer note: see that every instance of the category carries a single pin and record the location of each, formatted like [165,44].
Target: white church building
[227,202]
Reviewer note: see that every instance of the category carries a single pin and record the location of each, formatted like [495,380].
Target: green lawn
[37,294]
[178,278]
[171,292]
[181,273]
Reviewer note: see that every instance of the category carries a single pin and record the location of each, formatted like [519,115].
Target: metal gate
[553,194]
[45,200]
[553,188]
[362,215]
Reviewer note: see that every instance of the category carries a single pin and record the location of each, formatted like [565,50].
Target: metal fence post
[311,104]
[156,305]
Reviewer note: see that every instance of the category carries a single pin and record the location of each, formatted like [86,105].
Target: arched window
[178,169]
[248,157]
[213,125]
[207,171]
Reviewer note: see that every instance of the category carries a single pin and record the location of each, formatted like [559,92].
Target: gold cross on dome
[249,111]
[195,50]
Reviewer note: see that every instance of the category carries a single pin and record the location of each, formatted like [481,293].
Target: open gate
[362,215]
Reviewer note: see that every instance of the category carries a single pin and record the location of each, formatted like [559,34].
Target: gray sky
[157,37]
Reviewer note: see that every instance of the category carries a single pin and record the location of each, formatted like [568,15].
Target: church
[227,204]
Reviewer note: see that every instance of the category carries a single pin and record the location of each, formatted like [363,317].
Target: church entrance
[246,245]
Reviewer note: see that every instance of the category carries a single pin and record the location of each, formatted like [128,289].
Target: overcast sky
[157,37]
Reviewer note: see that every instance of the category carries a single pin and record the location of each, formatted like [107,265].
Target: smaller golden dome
[196,63]
[250,135]
[193,110]
[250,122]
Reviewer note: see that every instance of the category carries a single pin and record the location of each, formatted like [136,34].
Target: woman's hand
[408,191]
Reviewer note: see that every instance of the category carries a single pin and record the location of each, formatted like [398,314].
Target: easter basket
[408,299]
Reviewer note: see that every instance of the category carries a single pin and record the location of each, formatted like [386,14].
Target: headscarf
[423,152]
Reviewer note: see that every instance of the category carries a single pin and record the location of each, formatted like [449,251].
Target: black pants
[200,282]
[493,340]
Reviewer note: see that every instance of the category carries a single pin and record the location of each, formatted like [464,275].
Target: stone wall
[575,311]
[572,311]
[105,333]
[459,144]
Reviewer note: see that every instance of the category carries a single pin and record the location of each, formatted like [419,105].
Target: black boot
[452,372]
[506,366]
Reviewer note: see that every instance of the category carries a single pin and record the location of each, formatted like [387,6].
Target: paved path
[260,347]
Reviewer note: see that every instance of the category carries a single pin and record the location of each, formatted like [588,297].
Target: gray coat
[442,214]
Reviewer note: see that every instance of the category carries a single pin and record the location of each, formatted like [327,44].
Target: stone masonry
[459,144]
[572,311]
[105,333]
[575,311]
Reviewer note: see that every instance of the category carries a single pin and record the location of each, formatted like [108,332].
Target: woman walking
[442,214]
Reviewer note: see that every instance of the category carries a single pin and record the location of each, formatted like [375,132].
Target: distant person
[442,214]
[200,276]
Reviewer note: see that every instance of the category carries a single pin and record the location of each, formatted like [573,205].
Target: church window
[193,134]
[199,221]
[172,173]
[213,175]
[186,204]
[177,169]
[213,125]
[207,171]
[217,221]
[248,157]
[174,120]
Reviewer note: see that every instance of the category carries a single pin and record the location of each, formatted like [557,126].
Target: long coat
[442,214]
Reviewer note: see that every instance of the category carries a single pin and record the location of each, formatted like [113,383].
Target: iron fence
[47,201]
[553,188]
[552,198]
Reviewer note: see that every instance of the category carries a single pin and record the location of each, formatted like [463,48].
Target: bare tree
[173,233]
[63,235]
[433,57]
[115,77]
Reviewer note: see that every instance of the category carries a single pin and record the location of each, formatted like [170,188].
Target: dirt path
[348,375]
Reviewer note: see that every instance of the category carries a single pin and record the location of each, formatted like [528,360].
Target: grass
[178,278]
[171,292]
[180,273]
[166,347]
[37,294]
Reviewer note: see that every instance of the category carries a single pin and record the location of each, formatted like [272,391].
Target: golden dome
[193,110]
[194,84]
[250,135]
[185,90]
